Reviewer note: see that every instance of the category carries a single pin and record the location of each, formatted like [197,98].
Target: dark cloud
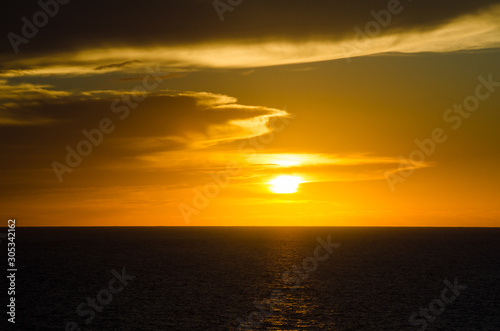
[140,78]
[162,122]
[117,65]
[84,24]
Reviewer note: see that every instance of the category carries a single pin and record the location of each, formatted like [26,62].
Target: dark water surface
[210,278]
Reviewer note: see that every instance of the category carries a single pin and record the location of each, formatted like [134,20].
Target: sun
[285,184]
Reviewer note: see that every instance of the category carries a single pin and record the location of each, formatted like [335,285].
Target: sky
[250,113]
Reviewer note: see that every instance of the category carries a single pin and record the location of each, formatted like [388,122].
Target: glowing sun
[285,184]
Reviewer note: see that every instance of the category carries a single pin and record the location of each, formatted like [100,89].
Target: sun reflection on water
[296,305]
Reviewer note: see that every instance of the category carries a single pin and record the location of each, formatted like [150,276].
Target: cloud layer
[186,34]
[38,124]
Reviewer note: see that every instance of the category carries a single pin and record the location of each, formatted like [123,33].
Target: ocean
[256,278]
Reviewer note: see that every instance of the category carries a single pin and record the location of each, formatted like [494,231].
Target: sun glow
[286,162]
[285,184]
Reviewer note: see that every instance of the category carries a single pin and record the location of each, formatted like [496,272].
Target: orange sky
[108,129]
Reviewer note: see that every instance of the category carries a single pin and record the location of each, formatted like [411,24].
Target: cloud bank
[188,34]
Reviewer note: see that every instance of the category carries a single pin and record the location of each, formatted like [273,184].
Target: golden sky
[381,113]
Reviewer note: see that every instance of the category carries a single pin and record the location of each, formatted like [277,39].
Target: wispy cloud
[117,65]
[167,121]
